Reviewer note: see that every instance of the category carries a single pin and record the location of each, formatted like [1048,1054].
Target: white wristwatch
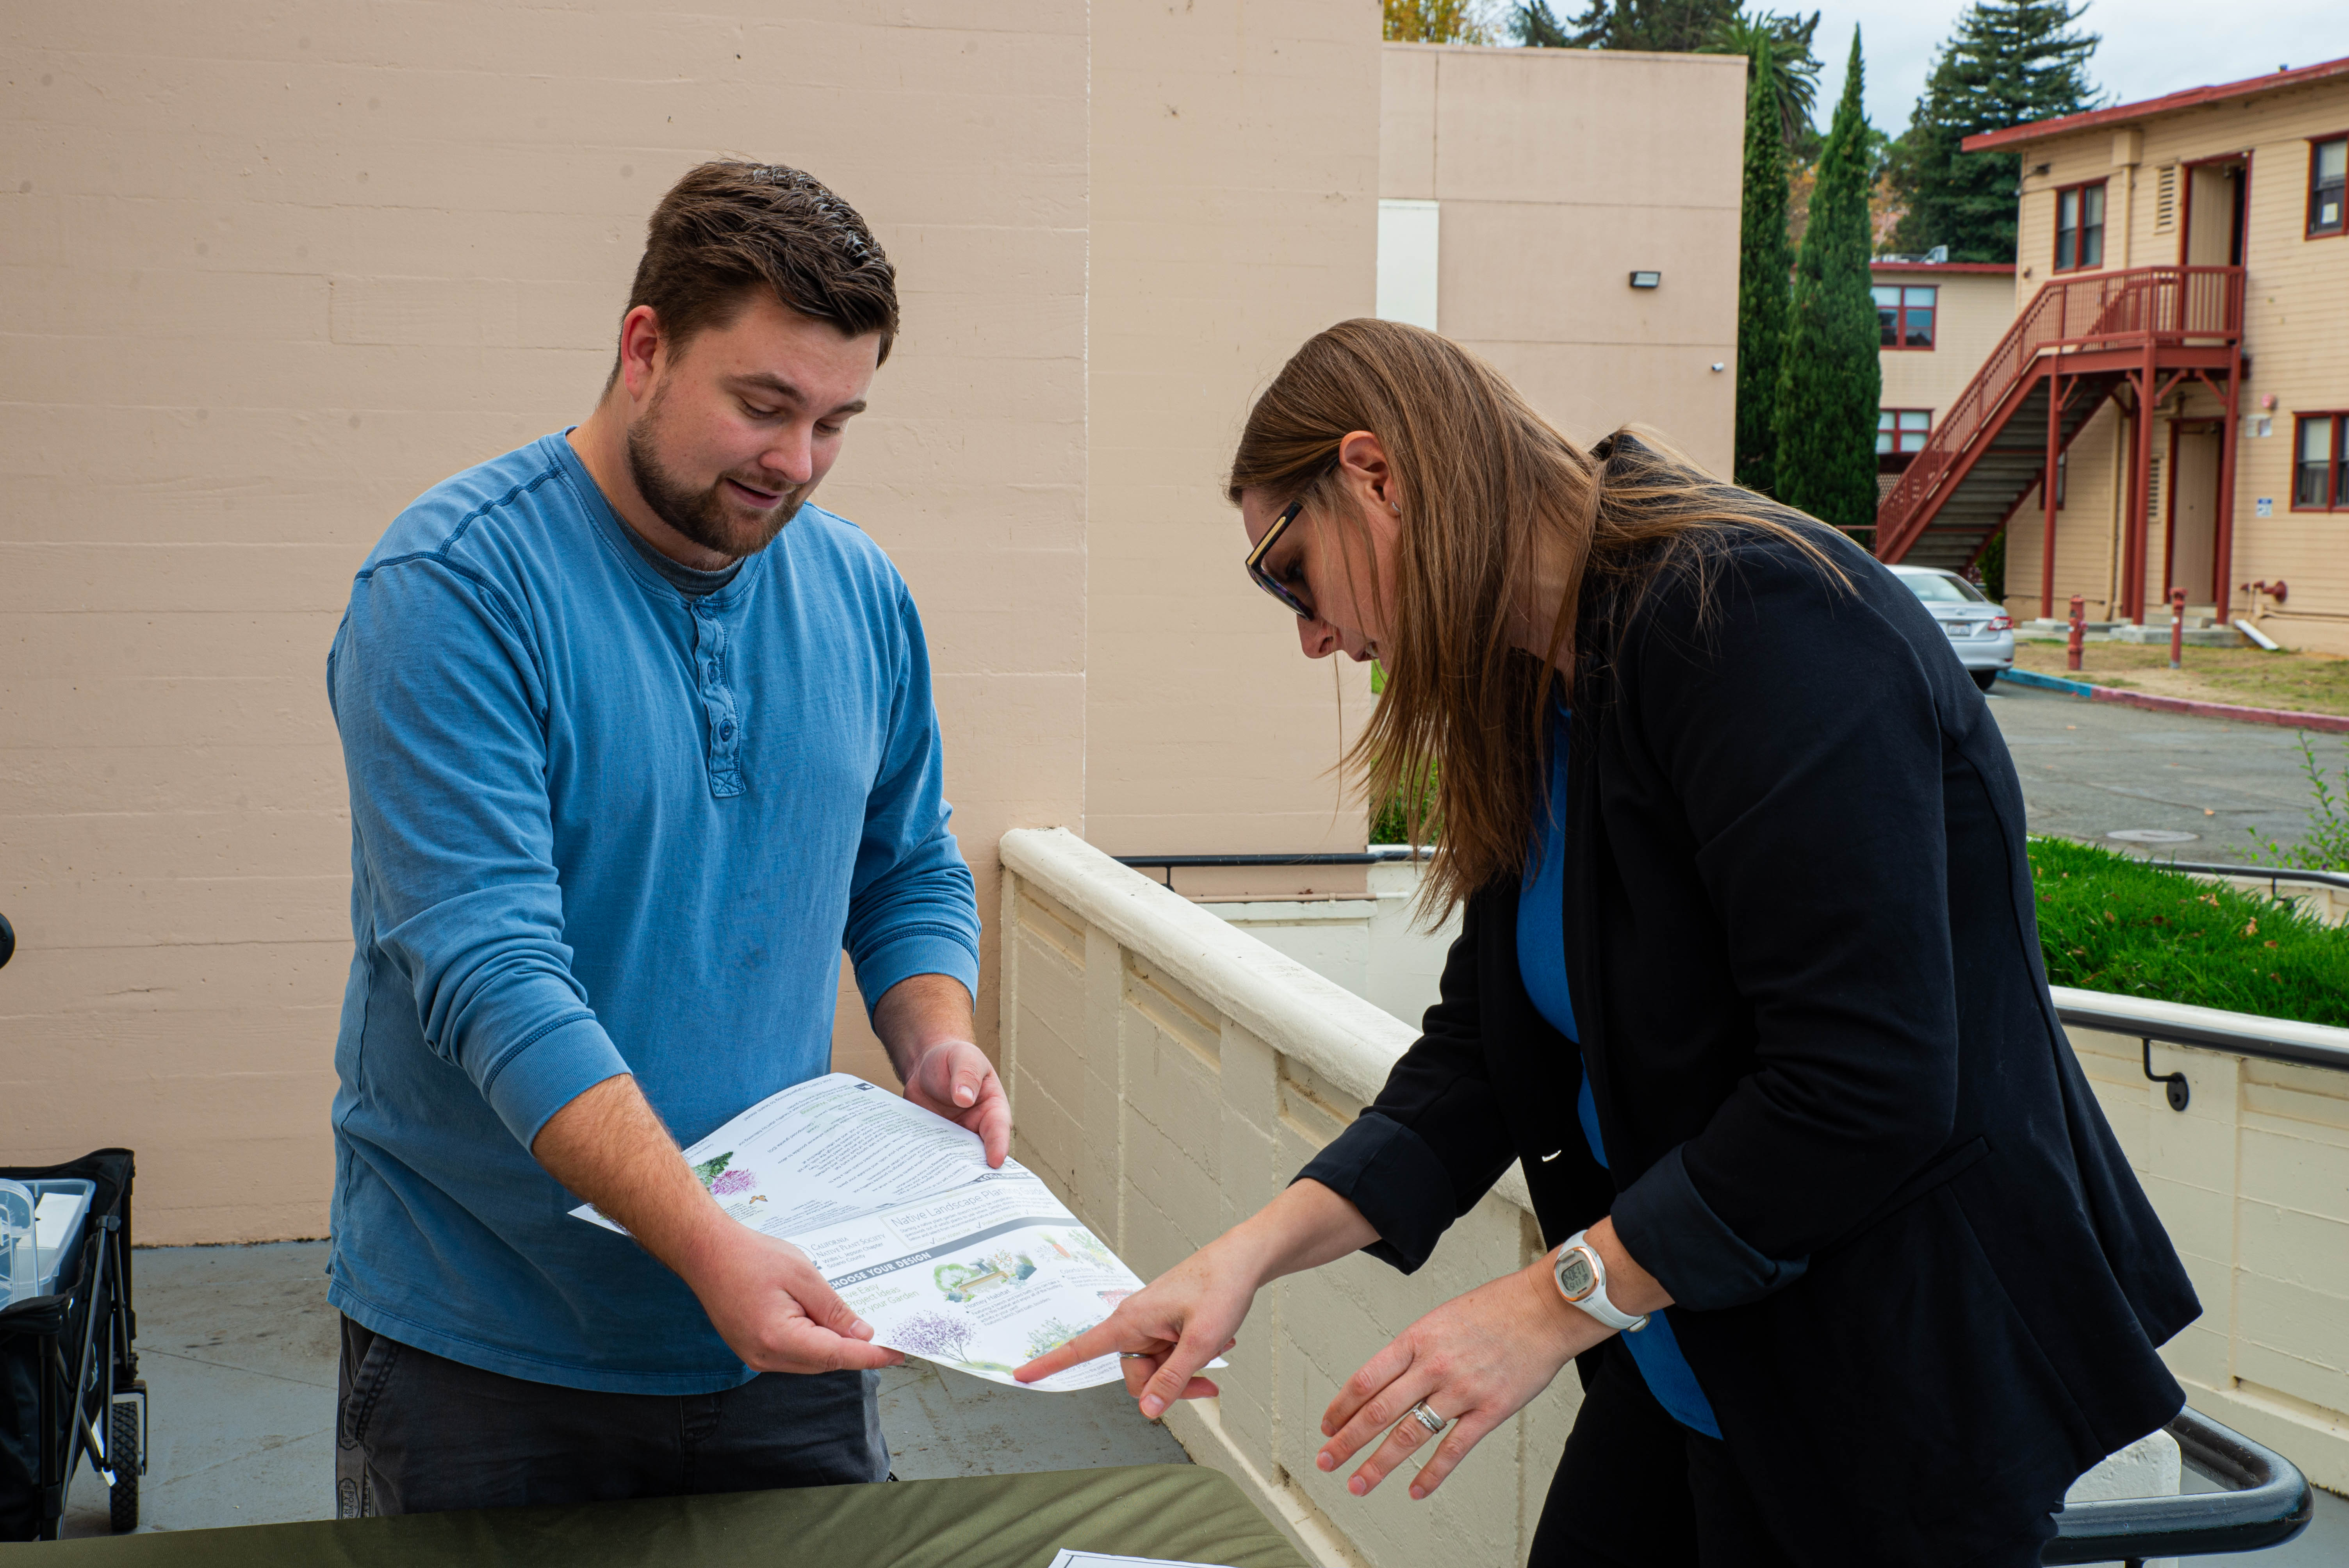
[1581,1278]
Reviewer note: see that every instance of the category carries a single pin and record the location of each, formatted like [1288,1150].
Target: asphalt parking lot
[2092,768]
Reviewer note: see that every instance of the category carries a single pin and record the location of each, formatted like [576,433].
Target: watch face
[1575,1276]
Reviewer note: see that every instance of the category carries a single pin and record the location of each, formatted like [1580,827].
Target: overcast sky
[2150,47]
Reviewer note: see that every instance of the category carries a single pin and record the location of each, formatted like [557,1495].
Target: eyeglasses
[1265,579]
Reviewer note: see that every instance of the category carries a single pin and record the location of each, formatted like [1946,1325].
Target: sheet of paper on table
[1069,1559]
[975,1269]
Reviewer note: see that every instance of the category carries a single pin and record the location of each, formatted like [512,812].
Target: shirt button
[726,730]
[713,669]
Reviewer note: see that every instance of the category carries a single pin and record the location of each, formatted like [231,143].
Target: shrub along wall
[2110,923]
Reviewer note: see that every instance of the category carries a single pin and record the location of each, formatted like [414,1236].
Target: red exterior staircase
[2083,339]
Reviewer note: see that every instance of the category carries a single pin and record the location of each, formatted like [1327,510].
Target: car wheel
[1985,678]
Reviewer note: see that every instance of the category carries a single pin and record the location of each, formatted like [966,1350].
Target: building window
[2328,164]
[2320,470]
[1904,315]
[2080,227]
[1901,431]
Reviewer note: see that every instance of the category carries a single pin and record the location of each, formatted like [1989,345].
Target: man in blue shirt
[638,740]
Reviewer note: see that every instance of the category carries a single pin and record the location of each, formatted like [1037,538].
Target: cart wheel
[122,1452]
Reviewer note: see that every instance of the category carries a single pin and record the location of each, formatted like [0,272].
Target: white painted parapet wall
[2252,1180]
[1169,1073]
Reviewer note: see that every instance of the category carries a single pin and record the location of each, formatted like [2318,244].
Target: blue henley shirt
[599,825]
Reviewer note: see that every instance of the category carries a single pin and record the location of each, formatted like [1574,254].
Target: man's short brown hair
[728,229]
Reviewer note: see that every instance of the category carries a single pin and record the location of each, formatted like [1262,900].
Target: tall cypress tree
[1761,283]
[1830,383]
[2010,62]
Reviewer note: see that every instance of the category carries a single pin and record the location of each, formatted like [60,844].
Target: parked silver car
[1981,633]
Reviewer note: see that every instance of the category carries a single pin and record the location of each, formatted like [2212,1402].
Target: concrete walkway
[238,1347]
[2089,768]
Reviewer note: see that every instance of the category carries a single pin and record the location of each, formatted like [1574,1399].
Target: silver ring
[1132,1356]
[1427,1418]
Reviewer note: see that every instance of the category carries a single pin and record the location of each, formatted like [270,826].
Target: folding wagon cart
[69,1381]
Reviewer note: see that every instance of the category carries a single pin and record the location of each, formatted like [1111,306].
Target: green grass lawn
[2110,923]
[2248,677]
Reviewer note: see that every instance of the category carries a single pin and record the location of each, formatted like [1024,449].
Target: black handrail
[2267,1502]
[2273,1048]
[1170,864]
[2275,875]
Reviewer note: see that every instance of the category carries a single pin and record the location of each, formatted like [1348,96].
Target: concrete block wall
[2252,1180]
[1169,1075]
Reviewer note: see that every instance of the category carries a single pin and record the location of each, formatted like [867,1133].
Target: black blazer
[1916,1277]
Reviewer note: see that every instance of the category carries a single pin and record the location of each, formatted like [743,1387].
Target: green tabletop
[1184,1512]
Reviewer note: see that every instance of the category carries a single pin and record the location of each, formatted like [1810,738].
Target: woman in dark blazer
[1748,981]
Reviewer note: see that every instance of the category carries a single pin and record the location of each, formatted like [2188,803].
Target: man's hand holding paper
[917,1236]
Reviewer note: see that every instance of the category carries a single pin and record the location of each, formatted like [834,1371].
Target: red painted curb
[2333,724]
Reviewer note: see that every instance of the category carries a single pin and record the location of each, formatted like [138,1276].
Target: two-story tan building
[2181,287]
[1936,320]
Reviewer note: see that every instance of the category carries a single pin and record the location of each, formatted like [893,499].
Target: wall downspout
[2047,491]
[2223,555]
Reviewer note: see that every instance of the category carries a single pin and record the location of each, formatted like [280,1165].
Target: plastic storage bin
[40,1223]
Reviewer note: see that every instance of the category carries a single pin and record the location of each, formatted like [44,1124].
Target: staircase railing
[2087,313]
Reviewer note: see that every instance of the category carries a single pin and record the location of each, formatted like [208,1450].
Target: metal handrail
[2268,1502]
[1378,856]
[2139,308]
[2273,875]
[2177,1024]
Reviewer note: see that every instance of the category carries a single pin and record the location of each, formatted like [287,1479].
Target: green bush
[2109,923]
[1390,826]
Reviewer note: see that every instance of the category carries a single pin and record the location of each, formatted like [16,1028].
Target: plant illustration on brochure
[725,1180]
[965,1280]
[1050,1334]
[935,1337]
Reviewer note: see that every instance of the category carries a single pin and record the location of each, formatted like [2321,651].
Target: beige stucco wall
[1561,172]
[272,275]
[2296,315]
[1973,310]
[1235,212]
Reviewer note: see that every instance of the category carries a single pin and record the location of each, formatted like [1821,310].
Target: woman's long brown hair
[1481,477]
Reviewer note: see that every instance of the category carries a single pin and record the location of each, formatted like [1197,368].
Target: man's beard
[699,515]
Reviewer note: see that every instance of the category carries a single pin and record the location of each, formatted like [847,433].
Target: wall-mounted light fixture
[1646,280]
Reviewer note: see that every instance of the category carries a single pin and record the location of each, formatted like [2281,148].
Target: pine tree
[1667,26]
[1761,283]
[2010,62]
[1829,382]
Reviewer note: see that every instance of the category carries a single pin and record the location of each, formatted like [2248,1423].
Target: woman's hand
[1168,1330]
[1189,1315]
[1476,1360]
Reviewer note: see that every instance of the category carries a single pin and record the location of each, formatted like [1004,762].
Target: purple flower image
[726,1182]
[933,1334]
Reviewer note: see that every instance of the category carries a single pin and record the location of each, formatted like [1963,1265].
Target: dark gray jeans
[417,1433]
